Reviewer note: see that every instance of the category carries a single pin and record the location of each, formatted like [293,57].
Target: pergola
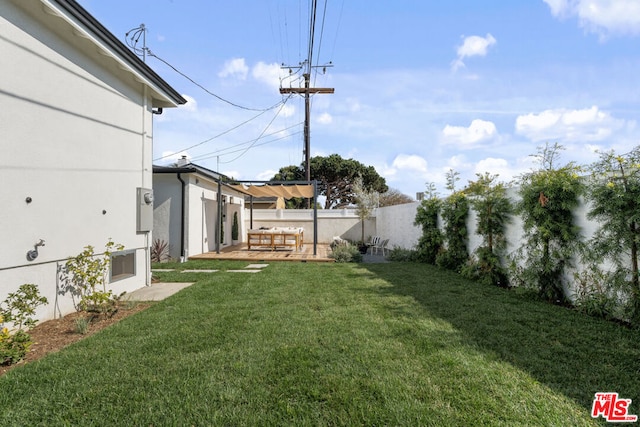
[279,189]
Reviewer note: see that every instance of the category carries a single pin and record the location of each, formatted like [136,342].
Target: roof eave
[73,9]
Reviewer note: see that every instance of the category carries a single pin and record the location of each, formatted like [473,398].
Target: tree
[366,202]
[493,208]
[394,197]
[335,177]
[454,212]
[430,243]
[614,193]
[552,238]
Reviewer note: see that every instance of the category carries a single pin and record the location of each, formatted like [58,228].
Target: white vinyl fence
[395,223]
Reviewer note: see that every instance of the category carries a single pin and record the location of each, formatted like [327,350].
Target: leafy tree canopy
[335,177]
[394,197]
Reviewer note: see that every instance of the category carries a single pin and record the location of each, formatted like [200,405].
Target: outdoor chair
[382,245]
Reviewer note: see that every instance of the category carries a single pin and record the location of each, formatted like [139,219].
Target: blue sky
[421,86]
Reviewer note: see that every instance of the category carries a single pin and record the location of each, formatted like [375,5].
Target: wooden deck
[241,253]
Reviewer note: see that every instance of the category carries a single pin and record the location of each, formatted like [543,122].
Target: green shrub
[493,208]
[346,253]
[485,267]
[85,276]
[19,309]
[597,293]
[159,251]
[402,255]
[455,210]
[430,242]
[614,193]
[552,239]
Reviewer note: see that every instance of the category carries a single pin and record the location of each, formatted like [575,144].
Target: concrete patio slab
[199,271]
[156,292]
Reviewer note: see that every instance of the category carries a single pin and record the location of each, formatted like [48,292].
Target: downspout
[182,209]
[219,219]
[315,216]
[251,212]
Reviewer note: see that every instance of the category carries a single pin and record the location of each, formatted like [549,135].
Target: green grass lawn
[332,344]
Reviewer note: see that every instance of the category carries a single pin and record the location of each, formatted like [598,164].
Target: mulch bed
[55,334]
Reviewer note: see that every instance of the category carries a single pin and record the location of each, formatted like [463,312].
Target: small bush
[402,255]
[82,325]
[159,251]
[85,275]
[346,253]
[597,295]
[485,268]
[18,308]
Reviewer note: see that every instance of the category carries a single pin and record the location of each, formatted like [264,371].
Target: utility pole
[306,91]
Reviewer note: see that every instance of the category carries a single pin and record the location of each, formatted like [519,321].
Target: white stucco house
[76,141]
[186,206]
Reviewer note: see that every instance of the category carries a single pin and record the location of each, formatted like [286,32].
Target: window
[123,265]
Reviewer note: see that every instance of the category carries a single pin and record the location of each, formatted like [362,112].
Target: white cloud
[590,124]
[287,110]
[235,67]
[472,46]
[191,105]
[266,175]
[232,174]
[600,16]
[325,119]
[458,163]
[410,162]
[405,164]
[267,73]
[478,131]
[496,166]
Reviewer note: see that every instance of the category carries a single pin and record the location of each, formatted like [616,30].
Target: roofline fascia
[106,37]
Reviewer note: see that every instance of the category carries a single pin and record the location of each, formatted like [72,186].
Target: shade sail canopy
[284,191]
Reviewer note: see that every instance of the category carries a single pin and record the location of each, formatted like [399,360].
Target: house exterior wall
[201,213]
[167,209]
[76,142]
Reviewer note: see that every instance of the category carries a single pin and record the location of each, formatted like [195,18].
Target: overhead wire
[212,155]
[222,150]
[133,41]
[222,133]
[335,40]
[207,90]
[324,15]
[259,136]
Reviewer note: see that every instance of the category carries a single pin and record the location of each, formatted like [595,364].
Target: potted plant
[366,202]
[234,229]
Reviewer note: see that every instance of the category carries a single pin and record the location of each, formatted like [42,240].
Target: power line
[259,136]
[211,155]
[222,133]
[217,152]
[141,31]
[207,90]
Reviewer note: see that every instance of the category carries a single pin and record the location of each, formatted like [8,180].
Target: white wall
[167,209]
[201,212]
[342,223]
[76,140]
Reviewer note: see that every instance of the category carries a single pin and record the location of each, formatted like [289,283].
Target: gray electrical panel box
[144,221]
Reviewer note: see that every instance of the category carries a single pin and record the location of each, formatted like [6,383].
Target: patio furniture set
[276,237]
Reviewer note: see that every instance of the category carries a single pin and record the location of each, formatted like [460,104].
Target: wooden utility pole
[306,91]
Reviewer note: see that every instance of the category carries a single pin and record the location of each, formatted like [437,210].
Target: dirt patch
[54,335]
